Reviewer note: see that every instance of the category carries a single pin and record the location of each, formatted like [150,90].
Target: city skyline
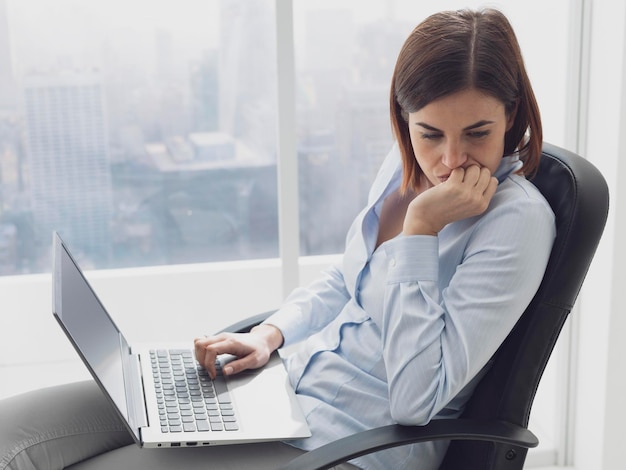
[173,108]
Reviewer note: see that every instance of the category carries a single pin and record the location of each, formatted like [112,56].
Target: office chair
[492,432]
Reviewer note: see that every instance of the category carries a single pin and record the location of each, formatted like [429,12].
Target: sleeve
[308,309]
[436,340]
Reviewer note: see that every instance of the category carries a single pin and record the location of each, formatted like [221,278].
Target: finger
[472,175]
[484,179]
[200,345]
[241,364]
[486,196]
[208,362]
[209,339]
[456,175]
[207,350]
[492,187]
[206,340]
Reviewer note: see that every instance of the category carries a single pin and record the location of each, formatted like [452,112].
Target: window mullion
[287,161]
[576,139]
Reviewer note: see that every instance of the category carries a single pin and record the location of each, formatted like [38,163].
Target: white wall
[201,299]
[615,409]
[174,303]
[600,408]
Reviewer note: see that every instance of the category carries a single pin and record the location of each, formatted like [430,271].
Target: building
[204,84]
[66,134]
[247,75]
[8,100]
[216,200]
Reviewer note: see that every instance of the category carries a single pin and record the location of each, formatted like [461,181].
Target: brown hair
[458,50]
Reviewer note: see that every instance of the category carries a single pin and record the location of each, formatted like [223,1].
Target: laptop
[162,394]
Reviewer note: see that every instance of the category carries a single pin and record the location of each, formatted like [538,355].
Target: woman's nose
[454,155]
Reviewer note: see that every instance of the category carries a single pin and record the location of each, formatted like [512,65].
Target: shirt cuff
[412,258]
[283,319]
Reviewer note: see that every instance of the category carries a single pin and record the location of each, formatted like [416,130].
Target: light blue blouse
[402,333]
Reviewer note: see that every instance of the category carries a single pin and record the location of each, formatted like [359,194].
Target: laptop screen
[88,325]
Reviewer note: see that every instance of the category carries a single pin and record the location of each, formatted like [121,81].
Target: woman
[438,267]
[441,263]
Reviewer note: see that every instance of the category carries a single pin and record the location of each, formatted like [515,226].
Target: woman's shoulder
[517,188]
[517,213]
[518,197]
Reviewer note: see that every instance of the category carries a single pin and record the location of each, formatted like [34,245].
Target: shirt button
[392,262]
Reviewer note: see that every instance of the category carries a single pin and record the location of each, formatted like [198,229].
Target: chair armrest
[247,324]
[395,435]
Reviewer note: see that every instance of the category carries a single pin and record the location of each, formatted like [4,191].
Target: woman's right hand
[252,349]
[466,193]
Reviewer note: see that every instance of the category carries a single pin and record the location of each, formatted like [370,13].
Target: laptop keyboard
[188,399]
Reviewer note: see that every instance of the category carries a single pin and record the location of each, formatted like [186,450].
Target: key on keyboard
[187,398]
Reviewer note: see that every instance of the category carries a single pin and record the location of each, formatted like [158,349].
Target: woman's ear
[511,115]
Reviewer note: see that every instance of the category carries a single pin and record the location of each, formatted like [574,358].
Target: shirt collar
[508,165]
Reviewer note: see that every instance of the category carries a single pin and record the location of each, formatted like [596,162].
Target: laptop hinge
[135,400]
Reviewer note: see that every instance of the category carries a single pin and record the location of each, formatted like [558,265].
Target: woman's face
[460,130]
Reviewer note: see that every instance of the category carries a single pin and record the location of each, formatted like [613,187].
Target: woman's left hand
[466,193]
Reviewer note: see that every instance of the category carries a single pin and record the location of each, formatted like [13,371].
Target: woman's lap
[55,427]
[261,456]
[267,455]
[74,426]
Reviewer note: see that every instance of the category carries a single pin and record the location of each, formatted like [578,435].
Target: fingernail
[228,370]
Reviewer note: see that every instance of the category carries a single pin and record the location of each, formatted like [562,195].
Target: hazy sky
[44,30]
[75,31]
[181,15]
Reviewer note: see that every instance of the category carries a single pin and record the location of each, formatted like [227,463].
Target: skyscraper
[205,93]
[69,158]
[8,100]
[247,74]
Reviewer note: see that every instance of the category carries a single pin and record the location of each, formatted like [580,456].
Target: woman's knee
[58,426]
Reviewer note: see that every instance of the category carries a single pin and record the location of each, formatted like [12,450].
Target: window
[144,132]
[345,54]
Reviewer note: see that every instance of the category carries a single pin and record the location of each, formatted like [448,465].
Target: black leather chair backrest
[578,195]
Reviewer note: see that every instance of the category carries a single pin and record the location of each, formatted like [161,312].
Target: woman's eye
[430,136]
[478,134]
